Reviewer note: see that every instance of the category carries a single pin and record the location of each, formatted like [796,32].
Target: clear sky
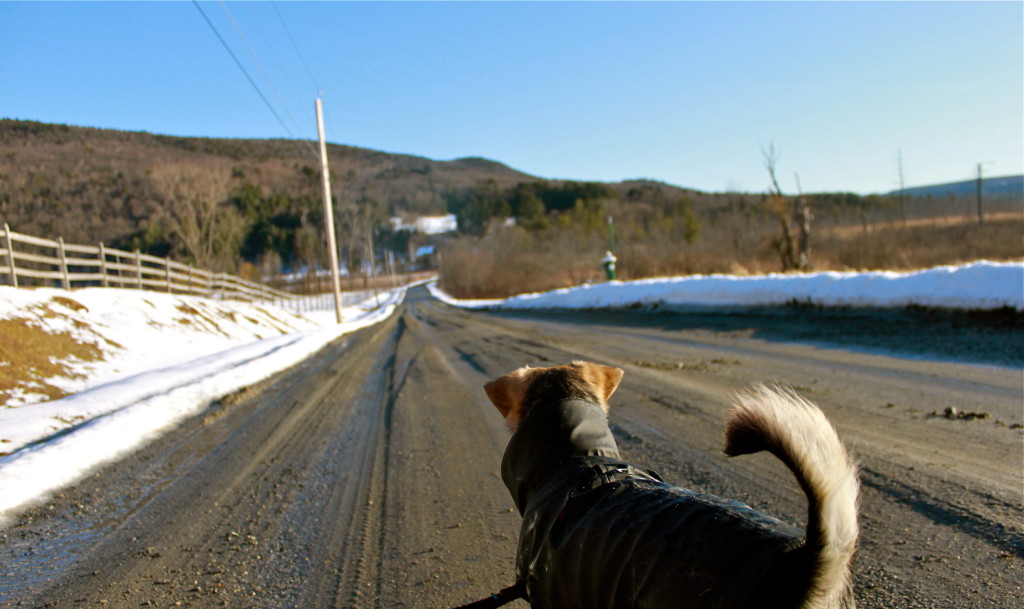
[684,92]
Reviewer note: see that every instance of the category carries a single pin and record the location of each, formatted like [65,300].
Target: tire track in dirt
[368,476]
[939,496]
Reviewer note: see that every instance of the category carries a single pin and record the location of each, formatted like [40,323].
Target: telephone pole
[981,215]
[332,248]
[903,193]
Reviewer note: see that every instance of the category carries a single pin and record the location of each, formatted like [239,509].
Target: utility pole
[903,194]
[391,260]
[332,247]
[981,215]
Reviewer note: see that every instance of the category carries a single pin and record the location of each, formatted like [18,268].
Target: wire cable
[302,59]
[292,89]
[259,64]
[244,71]
[329,127]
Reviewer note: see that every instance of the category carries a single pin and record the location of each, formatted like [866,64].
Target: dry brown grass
[29,355]
[917,246]
[513,262]
[32,355]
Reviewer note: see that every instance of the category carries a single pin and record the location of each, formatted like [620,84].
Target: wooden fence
[43,262]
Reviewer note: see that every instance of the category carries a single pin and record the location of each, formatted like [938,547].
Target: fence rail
[69,265]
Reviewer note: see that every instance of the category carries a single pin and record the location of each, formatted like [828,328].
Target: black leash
[504,597]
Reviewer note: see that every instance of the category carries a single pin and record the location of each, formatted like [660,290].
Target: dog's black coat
[598,533]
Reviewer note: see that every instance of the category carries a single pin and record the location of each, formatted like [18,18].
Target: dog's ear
[500,394]
[507,393]
[604,379]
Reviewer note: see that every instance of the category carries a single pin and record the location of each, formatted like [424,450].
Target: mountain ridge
[996,185]
[134,189]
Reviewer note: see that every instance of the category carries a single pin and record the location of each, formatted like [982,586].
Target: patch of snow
[428,225]
[164,371]
[977,286]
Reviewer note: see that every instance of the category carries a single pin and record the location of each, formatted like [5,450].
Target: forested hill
[91,184]
[259,201]
[237,205]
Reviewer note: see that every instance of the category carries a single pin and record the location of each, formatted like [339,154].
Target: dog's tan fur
[765,418]
[515,393]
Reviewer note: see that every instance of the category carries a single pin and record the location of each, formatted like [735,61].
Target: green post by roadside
[609,257]
[609,265]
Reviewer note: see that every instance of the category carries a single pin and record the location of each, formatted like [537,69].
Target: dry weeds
[501,265]
[30,354]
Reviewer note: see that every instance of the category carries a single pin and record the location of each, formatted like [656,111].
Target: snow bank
[978,286]
[54,444]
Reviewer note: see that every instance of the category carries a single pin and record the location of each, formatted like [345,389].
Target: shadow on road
[984,337]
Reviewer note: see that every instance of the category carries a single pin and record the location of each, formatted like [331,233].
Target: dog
[600,533]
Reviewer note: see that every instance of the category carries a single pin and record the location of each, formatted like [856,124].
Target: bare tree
[309,247]
[803,217]
[794,252]
[370,213]
[347,223]
[356,225]
[198,215]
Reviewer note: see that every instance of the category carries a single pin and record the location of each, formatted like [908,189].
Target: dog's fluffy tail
[796,431]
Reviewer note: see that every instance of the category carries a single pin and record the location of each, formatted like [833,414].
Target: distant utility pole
[981,215]
[332,248]
[903,188]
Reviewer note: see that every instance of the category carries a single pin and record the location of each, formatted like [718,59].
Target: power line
[305,64]
[273,52]
[259,64]
[302,59]
[242,68]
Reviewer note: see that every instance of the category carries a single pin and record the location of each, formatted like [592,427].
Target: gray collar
[550,435]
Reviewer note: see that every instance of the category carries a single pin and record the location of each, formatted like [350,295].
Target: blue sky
[684,92]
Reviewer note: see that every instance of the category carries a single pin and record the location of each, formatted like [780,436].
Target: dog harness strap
[609,472]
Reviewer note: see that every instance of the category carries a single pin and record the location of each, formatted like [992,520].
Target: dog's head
[516,393]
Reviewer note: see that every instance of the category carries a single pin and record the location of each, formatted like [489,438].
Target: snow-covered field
[167,357]
[977,286]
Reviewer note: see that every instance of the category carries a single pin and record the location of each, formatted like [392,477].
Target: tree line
[546,235]
[224,204]
[255,206]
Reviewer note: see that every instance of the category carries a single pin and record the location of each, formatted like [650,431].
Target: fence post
[103,266]
[63,264]
[10,255]
[223,285]
[138,269]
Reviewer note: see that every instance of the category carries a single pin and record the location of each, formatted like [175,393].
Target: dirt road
[367,477]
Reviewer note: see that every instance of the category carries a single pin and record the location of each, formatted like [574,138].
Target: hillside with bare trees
[659,230]
[254,206]
[217,202]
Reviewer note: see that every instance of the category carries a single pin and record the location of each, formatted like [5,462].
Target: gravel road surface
[368,476]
